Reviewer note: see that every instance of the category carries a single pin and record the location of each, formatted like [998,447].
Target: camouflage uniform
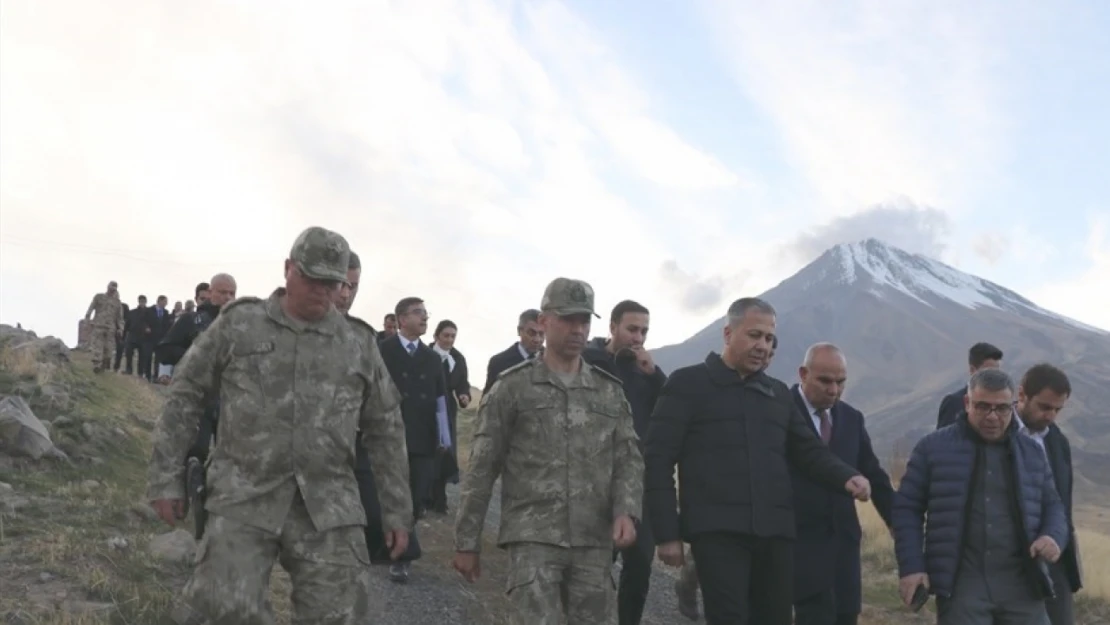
[106,326]
[570,464]
[281,483]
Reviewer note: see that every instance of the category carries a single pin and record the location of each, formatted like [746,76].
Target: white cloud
[874,99]
[1085,297]
[156,146]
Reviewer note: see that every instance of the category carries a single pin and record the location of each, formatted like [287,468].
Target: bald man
[827,589]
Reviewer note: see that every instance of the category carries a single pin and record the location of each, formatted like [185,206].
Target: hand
[672,553]
[859,487]
[464,400]
[908,585]
[1045,547]
[643,360]
[624,532]
[468,564]
[169,510]
[398,542]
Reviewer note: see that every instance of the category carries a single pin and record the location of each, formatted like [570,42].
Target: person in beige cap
[107,326]
[558,432]
[295,381]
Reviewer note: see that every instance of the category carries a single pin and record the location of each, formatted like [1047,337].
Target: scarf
[445,354]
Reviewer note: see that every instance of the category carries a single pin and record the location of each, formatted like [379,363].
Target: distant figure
[297,382]
[980,356]
[107,326]
[827,570]
[138,339]
[977,515]
[190,306]
[526,348]
[389,327]
[1043,392]
[559,434]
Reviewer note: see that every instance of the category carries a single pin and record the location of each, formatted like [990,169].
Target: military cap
[321,254]
[565,296]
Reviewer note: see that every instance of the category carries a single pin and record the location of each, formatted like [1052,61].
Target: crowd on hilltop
[283,396]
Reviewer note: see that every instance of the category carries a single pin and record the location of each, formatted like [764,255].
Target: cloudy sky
[682,153]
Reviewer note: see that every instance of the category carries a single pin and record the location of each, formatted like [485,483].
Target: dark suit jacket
[951,407]
[420,380]
[827,550]
[500,362]
[1059,457]
[159,327]
[137,324]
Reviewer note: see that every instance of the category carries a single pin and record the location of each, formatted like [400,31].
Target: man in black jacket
[980,356]
[531,341]
[733,431]
[1044,391]
[624,356]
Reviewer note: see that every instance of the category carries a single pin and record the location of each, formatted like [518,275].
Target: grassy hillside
[74,534]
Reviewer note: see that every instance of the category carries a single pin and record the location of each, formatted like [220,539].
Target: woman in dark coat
[458,395]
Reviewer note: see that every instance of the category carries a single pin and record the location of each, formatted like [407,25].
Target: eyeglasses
[985,408]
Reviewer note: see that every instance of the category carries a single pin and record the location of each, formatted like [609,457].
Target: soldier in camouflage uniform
[559,434]
[295,381]
[107,326]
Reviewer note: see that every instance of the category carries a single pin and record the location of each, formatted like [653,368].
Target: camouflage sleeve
[92,306]
[195,378]
[383,437]
[489,447]
[628,468]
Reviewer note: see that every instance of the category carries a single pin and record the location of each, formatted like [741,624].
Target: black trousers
[745,580]
[146,357]
[119,354]
[422,474]
[635,575]
[820,609]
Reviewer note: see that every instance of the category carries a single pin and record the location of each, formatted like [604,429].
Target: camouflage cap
[565,296]
[321,254]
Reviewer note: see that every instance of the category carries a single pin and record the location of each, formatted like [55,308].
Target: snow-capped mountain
[879,268]
[905,322]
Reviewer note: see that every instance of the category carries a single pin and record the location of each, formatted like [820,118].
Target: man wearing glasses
[977,517]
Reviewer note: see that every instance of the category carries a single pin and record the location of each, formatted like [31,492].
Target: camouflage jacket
[567,455]
[107,311]
[292,397]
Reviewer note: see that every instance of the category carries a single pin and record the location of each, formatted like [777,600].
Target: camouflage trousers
[551,585]
[102,344]
[329,570]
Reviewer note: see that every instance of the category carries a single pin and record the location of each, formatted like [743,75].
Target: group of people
[147,330]
[331,439]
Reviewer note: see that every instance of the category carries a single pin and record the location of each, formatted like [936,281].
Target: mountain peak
[888,271]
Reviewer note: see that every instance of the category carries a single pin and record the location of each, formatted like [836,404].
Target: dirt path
[435,595]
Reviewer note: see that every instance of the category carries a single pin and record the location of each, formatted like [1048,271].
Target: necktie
[826,425]
[412,348]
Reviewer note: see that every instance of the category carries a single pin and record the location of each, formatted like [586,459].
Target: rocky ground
[78,545]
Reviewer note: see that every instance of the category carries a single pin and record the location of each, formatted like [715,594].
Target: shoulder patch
[520,366]
[239,301]
[605,374]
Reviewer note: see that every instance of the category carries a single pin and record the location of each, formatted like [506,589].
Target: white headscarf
[445,354]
